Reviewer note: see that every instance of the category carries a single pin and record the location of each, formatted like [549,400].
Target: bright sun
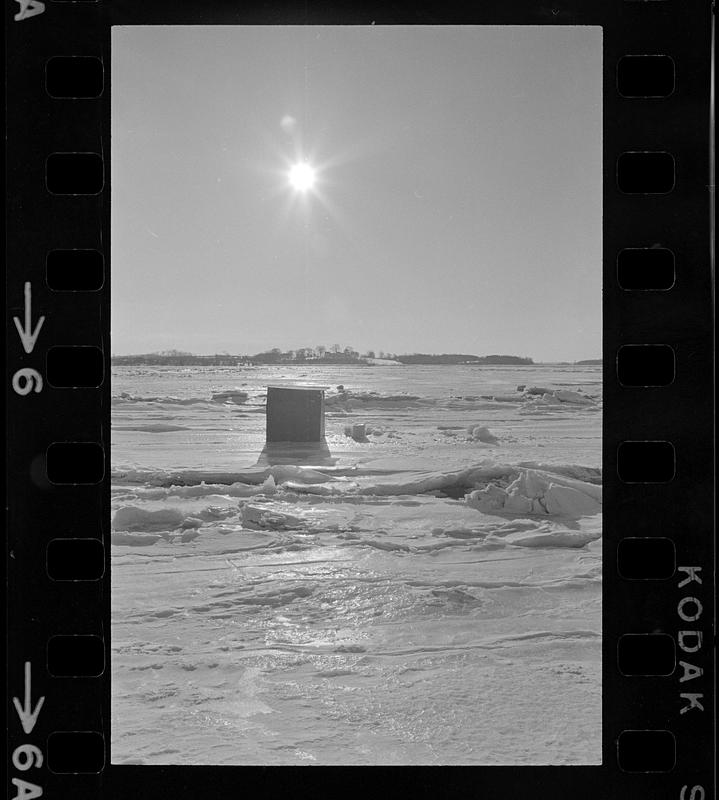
[302,177]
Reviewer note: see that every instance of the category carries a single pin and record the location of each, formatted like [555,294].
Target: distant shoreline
[334,359]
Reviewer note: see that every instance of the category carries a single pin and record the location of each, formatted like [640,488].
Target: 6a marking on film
[26,756]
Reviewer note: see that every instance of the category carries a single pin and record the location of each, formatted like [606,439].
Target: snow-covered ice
[430,594]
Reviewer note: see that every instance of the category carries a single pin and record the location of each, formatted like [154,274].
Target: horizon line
[388,357]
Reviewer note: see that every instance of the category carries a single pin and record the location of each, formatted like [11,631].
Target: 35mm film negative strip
[499,567]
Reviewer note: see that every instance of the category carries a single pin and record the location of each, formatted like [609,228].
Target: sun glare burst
[302,177]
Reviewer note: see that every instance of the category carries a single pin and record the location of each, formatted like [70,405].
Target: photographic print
[356,395]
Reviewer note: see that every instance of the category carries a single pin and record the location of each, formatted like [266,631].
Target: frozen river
[431,595]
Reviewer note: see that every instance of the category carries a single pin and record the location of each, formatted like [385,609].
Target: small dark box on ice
[295,414]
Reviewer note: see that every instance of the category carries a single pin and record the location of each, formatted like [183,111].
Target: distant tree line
[461,358]
[334,354]
[184,360]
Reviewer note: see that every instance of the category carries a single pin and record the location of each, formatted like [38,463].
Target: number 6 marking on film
[25,380]
[26,756]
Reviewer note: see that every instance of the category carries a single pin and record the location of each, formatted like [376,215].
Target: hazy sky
[458,198]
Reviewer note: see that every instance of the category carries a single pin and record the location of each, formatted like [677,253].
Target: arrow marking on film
[28,716]
[28,336]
